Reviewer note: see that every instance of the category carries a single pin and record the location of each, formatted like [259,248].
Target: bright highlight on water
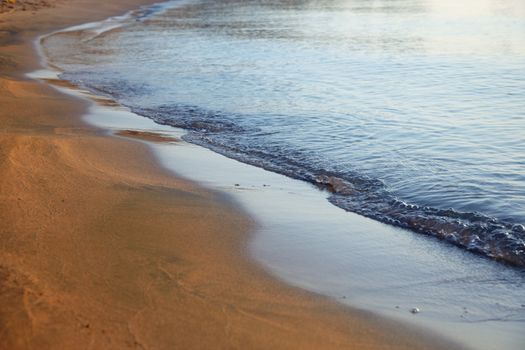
[411,112]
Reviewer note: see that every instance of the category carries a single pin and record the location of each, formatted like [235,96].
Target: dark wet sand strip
[147,136]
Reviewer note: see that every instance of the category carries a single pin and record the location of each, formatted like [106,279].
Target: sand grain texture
[102,249]
[24,5]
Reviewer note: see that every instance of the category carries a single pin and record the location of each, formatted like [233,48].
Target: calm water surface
[411,111]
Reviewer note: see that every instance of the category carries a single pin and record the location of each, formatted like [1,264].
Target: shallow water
[412,112]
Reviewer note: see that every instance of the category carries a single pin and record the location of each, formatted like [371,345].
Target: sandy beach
[100,248]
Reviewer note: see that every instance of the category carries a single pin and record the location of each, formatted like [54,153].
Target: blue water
[411,112]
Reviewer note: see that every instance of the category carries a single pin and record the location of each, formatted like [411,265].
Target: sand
[100,248]
[23,5]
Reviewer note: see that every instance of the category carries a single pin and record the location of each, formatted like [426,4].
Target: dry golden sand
[102,249]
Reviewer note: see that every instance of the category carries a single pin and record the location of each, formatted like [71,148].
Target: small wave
[353,192]
[473,231]
[190,118]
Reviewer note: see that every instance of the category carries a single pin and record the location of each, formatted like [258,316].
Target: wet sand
[100,248]
[147,136]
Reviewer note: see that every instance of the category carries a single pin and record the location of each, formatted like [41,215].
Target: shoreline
[303,241]
[108,250]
